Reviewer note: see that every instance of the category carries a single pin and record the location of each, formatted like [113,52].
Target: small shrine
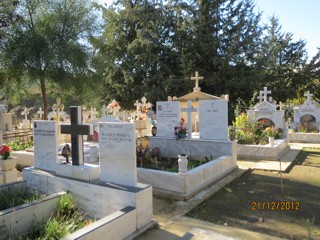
[194,97]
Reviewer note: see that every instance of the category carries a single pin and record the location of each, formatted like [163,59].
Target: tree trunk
[44,97]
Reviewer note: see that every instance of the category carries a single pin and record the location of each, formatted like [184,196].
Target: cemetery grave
[261,122]
[114,196]
[306,122]
[210,143]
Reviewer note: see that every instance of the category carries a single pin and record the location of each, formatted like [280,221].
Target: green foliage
[249,131]
[20,145]
[11,197]
[306,128]
[65,221]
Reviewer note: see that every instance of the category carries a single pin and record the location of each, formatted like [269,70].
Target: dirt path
[256,201]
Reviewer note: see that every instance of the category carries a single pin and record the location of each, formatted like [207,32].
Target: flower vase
[271,141]
[8,164]
[182,135]
[183,164]
[154,131]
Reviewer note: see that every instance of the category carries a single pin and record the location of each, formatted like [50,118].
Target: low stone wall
[98,198]
[297,137]
[264,152]
[182,187]
[196,148]
[20,219]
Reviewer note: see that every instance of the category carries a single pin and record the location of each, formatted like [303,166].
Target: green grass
[66,220]
[11,197]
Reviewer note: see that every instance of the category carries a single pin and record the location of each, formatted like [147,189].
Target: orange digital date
[275,206]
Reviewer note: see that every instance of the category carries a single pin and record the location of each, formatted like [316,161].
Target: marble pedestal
[87,172]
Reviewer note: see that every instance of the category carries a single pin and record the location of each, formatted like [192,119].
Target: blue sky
[300,17]
[296,16]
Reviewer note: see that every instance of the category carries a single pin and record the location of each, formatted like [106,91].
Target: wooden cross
[77,130]
[260,97]
[196,78]
[308,95]
[58,107]
[189,109]
[40,112]
[265,93]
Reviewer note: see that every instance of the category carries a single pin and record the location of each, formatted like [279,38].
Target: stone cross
[239,100]
[25,113]
[260,97]
[197,78]
[93,113]
[58,107]
[77,130]
[40,112]
[280,105]
[189,109]
[265,93]
[103,111]
[308,95]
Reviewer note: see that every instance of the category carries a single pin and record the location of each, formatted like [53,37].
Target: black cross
[77,130]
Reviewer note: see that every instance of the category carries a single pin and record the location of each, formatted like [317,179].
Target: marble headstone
[168,117]
[117,149]
[213,119]
[45,145]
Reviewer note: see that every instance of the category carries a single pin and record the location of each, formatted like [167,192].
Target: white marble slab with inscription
[117,153]
[168,117]
[213,120]
[45,145]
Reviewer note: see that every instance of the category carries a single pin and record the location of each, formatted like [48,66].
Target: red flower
[5,151]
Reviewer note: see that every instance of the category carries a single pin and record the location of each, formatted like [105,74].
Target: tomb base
[8,176]
[298,137]
[86,172]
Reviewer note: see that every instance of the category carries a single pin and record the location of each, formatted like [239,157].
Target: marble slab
[45,145]
[213,119]
[168,117]
[86,172]
[117,153]
[304,137]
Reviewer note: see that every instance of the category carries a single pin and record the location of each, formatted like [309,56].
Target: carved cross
[265,93]
[40,112]
[25,113]
[308,95]
[260,97]
[196,78]
[77,130]
[58,107]
[189,109]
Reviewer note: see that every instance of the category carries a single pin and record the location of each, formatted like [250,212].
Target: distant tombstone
[117,146]
[213,119]
[168,117]
[45,145]
[58,107]
[40,112]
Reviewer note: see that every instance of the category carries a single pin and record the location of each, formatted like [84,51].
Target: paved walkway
[174,225]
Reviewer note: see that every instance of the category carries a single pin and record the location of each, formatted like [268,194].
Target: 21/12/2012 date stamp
[275,206]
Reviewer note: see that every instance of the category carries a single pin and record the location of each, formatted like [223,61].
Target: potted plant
[6,161]
[270,132]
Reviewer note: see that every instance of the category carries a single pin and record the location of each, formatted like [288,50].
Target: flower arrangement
[5,152]
[113,106]
[270,132]
[180,131]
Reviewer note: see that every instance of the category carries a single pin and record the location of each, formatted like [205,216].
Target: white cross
[58,107]
[196,78]
[308,95]
[25,113]
[280,105]
[40,112]
[260,97]
[93,113]
[189,109]
[265,93]
[239,101]
[103,111]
